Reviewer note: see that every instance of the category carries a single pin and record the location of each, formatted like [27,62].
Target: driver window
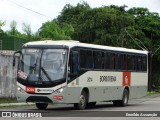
[74,62]
[28,62]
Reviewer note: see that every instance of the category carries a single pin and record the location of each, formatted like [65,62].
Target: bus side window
[86,59]
[139,63]
[131,62]
[110,61]
[107,60]
[89,63]
[144,63]
[97,60]
[125,62]
[103,60]
[74,62]
[122,62]
[117,62]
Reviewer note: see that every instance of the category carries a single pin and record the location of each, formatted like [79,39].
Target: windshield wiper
[46,74]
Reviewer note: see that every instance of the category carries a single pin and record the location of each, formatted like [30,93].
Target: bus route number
[30,89]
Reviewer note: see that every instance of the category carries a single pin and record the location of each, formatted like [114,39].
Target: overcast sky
[50,9]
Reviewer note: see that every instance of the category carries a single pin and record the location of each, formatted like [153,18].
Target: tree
[52,30]
[27,29]
[13,29]
[71,15]
[101,25]
[147,27]
[67,29]
[2,23]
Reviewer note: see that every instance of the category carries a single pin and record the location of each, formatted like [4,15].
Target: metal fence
[7,75]
[1,45]
[11,42]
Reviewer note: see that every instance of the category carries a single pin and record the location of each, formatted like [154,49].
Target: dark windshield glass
[42,65]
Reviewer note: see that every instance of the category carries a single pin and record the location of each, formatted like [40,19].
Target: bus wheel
[91,105]
[124,100]
[82,102]
[41,106]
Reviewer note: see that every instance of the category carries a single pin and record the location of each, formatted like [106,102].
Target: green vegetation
[153,94]
[8,100]
[112,25]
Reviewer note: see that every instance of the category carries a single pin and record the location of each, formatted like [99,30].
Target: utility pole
[150,56]
[1,45]
[150,67]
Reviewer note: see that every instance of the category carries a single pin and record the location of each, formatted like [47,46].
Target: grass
[16,106]
[8,100]
[11,100]
[4,107]
[151,93]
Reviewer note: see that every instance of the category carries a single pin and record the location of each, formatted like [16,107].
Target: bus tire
[91,105]
[124,101]
[41,106]
[82,102]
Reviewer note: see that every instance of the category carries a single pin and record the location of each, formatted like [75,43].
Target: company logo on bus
[107,78]
[30,89]
[126,79]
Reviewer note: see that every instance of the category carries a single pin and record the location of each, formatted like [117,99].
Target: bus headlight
[20,89]
[58,91]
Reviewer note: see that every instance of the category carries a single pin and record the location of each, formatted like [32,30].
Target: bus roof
[73,43]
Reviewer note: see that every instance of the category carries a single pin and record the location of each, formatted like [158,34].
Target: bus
[71,72]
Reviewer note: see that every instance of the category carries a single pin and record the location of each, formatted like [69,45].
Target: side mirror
[14,57]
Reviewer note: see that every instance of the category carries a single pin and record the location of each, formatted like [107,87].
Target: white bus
[71,72]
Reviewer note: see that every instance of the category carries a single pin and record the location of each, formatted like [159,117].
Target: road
[147,106]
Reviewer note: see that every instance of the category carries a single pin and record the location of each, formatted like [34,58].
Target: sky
[37,12]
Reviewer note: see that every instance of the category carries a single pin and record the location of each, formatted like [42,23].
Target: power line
[28,9]
[135,41]
[155,51]
[141,43]
[144,47]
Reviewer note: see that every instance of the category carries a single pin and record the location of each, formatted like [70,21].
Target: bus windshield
[42,64]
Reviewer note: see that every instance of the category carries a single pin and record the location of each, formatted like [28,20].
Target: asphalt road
[146,108]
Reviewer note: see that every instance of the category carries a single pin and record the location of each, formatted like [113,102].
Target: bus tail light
[57,97]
